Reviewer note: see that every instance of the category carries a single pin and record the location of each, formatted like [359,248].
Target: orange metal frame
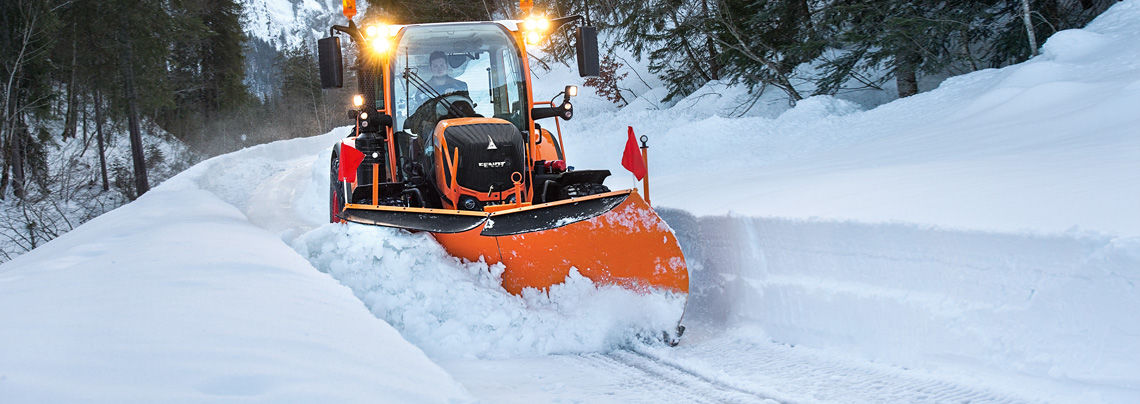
[558,128]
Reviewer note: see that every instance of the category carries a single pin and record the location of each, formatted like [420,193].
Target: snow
[74,183]
[460,310]
[1057,308]
[977,242]
[177,297]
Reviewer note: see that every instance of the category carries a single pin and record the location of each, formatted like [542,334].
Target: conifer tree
[426,11]
[27,34]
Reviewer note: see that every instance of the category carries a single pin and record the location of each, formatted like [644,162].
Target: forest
[99,70]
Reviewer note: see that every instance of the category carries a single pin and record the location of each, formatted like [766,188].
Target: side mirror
[587,49]
[331,62]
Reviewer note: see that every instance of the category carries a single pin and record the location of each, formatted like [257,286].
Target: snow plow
[448,140]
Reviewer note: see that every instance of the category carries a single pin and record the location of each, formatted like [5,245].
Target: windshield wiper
[424,87]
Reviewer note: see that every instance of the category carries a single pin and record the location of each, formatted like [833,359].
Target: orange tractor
[448,140]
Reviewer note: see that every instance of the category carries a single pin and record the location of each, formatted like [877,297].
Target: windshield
[456,70]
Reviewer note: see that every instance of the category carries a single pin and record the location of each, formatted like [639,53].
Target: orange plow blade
[613,239]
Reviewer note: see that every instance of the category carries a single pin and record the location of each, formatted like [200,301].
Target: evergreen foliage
[768,44]
[427,11]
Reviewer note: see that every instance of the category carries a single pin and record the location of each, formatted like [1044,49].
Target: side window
[512,70]
[515,93]
[401,93]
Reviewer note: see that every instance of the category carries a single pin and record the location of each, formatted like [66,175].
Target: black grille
[482,166]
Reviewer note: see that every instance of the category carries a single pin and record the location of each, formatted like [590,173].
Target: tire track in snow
[646,359]
[680,383]
[792,375]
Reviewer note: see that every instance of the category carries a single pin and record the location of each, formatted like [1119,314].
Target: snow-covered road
[974,243]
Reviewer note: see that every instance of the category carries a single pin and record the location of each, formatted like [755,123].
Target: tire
[580,190]
[336,191]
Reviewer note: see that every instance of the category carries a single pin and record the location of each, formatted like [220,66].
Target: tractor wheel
[336,191]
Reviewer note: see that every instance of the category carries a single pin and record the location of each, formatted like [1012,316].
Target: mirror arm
[351,30]
[537,113]
[557,23]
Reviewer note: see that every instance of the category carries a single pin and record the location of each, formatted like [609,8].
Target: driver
[440,81]
[443,85]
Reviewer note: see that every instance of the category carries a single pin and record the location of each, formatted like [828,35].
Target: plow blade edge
[414,219]
[614,238]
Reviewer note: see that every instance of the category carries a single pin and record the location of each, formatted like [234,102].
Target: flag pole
[645,157]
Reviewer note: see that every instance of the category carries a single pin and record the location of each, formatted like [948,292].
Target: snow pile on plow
[453,308]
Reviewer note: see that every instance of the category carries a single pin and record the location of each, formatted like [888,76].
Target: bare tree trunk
[907,80]
[906,71]
[714,63]
[137,156]
[5,145]
[99,139]
[6,135]
[17,148]
[10,109]
[72,109]
[3,167]
[1029,27]
[84,120]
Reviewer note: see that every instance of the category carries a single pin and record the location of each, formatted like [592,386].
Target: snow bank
[176,297]
[456,309]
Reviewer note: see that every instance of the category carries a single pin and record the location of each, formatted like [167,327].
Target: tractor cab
[449,71]
[445,118]
[459,90]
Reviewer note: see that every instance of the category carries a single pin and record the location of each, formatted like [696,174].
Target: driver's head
[438,61]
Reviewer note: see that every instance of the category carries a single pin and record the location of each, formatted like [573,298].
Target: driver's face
[439,67]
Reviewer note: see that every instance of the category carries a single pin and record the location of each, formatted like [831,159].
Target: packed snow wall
[1057,306]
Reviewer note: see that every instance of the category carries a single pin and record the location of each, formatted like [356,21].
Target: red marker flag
[350,159]
[632,159]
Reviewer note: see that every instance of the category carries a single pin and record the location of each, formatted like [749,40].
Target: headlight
[380,45]
[536,23]
[533,37]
